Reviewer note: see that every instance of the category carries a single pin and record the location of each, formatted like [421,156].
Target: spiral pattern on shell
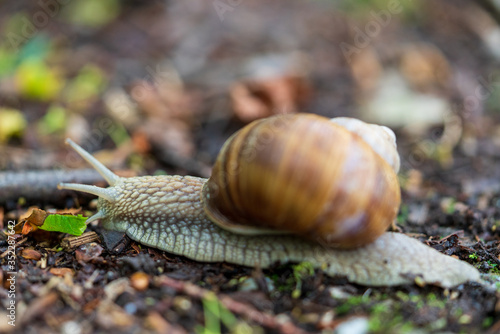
[305,175]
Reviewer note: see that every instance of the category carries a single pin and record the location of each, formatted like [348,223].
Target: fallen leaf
[172,137]
[159,324]
[38,306]
[254,99]
[31,254]
[34,221]
[366,69]
[140,142]
[274,84]
[61,271]
[40,219]
[74,225]
[37,217]
[88,252]
[37,81]
[12,123]
[425,67]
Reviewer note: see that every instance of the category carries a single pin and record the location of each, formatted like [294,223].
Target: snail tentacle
[98,215]
[107,193]
[107,174]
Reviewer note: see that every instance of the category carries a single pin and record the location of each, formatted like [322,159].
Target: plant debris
[156,88]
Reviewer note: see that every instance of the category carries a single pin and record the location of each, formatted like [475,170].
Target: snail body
[177,213]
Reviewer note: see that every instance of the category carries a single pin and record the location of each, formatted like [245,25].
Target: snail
[288,188]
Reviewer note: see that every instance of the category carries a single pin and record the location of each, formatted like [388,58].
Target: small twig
[42,184]
[70,243]
[4,254]
[488,253]
[232,305]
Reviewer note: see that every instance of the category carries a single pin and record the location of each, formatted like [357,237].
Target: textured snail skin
[166,212]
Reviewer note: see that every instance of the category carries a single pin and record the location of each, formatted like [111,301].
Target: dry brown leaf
[38,306]
[163,100]
[425,67]
[110,316]
[173,136]
[159,324]
[27,228]
[31,224]
[88,252]
[31,254]
[62,271]
[413,184]
[136,248]
[366,69]
[254,99]
[37,217]
[91,306]
[140,142]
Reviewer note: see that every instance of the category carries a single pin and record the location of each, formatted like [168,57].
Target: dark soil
[178,65]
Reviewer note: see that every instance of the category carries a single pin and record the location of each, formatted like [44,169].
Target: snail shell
[306,175]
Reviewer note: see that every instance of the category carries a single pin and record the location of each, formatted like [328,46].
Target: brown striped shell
[306,175]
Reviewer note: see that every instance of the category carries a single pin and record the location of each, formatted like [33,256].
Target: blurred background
[166,82]
[154,87]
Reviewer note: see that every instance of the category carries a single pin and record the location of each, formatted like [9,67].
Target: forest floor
[153,88]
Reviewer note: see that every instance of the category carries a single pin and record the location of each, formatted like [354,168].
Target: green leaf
[70,224]
[35,80]
[12,123]
[91,13]
[53,121]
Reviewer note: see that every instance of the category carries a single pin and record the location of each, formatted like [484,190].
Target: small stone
[139,281]
[354,325]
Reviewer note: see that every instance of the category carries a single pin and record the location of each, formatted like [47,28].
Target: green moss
[36,80]
[91,13]
[300,272]
[433,301]
[437,324]
[83,89]
[385,317]
[53,121]
[403,214]
[389,314]
[404,297]
[494,269]
[350,303]
[487,322]
[215,313]
[293,283]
